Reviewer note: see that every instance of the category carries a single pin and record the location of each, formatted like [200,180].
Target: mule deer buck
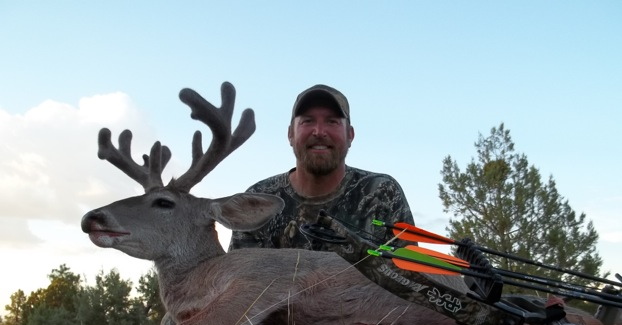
[199,282]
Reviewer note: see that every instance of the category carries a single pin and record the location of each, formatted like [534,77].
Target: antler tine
[150,174]
[223,141]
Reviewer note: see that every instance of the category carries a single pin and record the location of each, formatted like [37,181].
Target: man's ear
[350,135]
[290,135]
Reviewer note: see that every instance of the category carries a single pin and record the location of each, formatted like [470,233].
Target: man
[322,187]
[320,134]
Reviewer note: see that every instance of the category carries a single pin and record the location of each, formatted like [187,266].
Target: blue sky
[424,79]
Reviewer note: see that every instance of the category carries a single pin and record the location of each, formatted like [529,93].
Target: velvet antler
[149,175]
[223,141]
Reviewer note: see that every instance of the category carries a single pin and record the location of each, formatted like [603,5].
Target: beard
[321,164]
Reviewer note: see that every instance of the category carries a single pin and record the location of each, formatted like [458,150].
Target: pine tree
[108,302]
[501,202]
[149,291]
[66,301]
[15,308]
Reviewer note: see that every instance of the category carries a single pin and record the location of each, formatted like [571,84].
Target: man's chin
[321,168]
[321,164]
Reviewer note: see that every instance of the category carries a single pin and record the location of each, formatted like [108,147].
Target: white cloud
[107,109]
[48,111]
[48,159]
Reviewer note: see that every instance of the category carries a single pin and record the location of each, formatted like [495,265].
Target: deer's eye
[163,203]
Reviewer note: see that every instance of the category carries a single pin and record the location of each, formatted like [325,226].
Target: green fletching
[385,248]
[408,254]
[376,222]
[373,252]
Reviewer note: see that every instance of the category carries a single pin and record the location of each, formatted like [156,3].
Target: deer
[201,283]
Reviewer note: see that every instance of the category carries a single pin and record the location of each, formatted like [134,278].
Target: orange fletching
[409,232]
[416,267]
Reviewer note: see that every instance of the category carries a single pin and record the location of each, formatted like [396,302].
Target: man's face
[320,138]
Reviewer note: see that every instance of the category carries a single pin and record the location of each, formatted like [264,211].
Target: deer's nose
[92,218]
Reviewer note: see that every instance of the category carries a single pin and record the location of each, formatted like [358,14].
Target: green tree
[66,301]
[108,302]
[15,309]
[63,289]
[501,202]
[149,290]
[56,302]
[34,300]
[46,315]
[90,308]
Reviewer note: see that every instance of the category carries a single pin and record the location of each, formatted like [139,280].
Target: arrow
[441,256]
[413,233]
[413,261]
[447,267]
[417,262]
[410,232]
[515,275]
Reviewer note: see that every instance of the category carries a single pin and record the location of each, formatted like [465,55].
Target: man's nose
[319,130]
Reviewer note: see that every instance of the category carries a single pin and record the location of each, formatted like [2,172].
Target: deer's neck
[184,256]
[175,270]
[182,287]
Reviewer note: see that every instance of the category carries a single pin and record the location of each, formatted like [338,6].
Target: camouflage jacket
[361,197]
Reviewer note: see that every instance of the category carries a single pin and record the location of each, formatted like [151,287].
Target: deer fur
[199,282]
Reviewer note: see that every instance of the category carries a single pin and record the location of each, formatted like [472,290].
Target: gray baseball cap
[324,95]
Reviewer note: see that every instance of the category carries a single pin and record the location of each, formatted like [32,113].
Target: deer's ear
[246,211]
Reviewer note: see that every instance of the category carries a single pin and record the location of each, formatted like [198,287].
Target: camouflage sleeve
[399,208]
[383,199]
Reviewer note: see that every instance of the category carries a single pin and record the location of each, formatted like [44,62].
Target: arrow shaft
[515,275]
[567,293]
[550,267]
[557,284]
[408,231]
